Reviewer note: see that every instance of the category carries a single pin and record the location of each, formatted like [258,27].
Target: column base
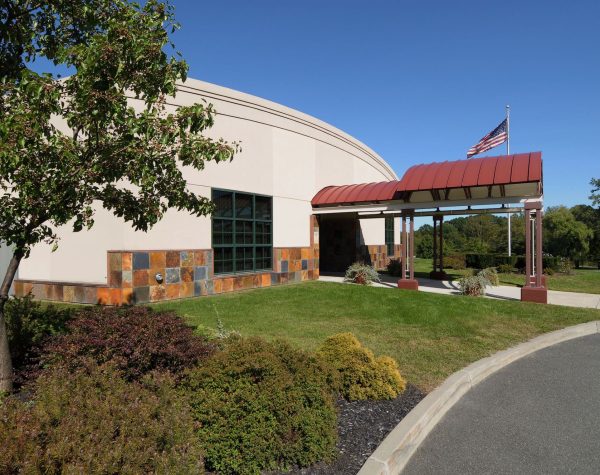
[408,284]
[534,294]
[437,275]
[543,276]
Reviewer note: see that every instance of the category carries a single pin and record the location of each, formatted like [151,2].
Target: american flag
[494,138]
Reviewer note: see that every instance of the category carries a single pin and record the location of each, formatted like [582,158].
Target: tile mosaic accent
[131,275]
[376,255]
[173,275]
[141,260]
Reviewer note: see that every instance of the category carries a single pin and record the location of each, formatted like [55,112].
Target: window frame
[234,245]
[390,234]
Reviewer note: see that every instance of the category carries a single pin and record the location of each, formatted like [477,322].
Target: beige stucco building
[264,234]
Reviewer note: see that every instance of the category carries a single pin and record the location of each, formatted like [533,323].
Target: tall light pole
[508,153]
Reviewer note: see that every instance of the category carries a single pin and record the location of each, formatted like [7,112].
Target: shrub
[564,266]
[361,375]
[135,339]
[490,275]
[505,268]
[548,271]
[456,261]
[394,267]
[92,421]
[473,285]
[479,260]
[28,323]
[511,260]
[360,273]
[262,406]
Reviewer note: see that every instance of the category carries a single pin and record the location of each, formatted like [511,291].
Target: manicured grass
[582,280]
[424,266]
[430,335]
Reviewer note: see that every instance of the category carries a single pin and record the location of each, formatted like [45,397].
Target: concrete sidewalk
[502,292]
[540,414]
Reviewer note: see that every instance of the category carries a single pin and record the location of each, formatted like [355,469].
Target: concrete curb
[395,451]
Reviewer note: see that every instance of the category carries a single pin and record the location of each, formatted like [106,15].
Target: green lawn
[582,280]
[430,335]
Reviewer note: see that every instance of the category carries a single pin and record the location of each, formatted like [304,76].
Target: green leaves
[101,136]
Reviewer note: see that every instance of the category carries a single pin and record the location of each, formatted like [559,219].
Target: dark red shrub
[134,339]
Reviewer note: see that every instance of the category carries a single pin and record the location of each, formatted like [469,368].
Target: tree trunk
[6,370]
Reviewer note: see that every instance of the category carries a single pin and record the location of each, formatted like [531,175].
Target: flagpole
[508,153]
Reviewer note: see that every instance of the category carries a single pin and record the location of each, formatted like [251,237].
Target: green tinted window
[242,232]
[389,235]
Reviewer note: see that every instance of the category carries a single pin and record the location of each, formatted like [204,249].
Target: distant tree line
[573,233]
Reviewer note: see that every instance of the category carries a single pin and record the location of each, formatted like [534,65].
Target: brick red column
[535,287]
[407,278]
[404,249]
[539,264]
[528,249]
[435,260]
[412,247]
[441,244]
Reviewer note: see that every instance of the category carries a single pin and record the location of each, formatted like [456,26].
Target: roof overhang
[482,181]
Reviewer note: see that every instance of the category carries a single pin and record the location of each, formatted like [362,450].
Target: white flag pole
[508,153]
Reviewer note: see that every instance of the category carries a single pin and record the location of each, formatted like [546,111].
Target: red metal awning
[440,177]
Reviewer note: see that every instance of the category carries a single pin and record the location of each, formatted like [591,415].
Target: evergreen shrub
[455,261]
[506,268]
[29,322]
[93,421]
[262,406]
[394,267]
[361,374]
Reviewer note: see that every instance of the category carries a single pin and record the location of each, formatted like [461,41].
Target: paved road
[539,415]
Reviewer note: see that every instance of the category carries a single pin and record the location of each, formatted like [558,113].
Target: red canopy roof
[486,171]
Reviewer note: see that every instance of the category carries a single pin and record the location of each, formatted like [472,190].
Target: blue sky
[418,81]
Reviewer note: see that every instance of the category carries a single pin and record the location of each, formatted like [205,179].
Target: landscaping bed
[362,426]
[132,390]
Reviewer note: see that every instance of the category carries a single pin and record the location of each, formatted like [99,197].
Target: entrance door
[337,242]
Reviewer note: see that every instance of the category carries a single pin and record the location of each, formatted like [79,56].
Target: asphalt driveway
[539,415]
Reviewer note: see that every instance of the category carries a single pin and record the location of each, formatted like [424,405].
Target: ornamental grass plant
[360,273]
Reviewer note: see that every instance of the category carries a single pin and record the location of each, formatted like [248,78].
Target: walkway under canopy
[477,186]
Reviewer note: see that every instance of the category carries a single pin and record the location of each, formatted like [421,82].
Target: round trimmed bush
[262,406]
[93,421]
[135,339]
[361,375]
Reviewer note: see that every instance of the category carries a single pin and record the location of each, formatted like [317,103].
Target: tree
[595,194]
[68,146]
[590,216]
[564,235]
[424,241]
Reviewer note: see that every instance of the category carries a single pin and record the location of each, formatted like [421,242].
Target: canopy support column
[438,248]
[407,279]
[535,284]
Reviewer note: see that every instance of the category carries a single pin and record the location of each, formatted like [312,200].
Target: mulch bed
[362,426]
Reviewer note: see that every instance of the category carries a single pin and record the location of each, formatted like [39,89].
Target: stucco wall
[286,154]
